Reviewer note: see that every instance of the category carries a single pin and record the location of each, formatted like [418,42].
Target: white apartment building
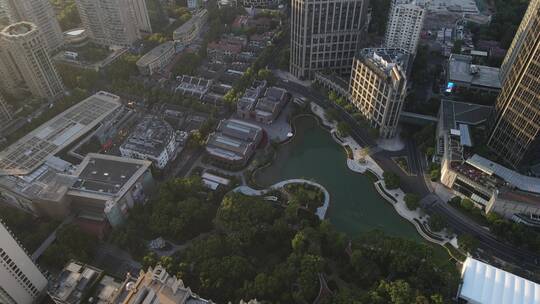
[189,31]
[25,59]
[405,22]
[325,34]
[109,22]
[39,12]
[378,87]
[153,139]
[140,11]
[157,59]
[21,282]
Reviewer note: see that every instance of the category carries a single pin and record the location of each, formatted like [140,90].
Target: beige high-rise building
[25,60]
[325,34]
[110,22]
[405,22]
[21,281]
[378,87]
[41,13]
[515,125]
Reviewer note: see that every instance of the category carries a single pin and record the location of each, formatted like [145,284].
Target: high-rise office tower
[378,87]
[140,11]
[325,34]
[109,22]
[405,22]
[41,13]
[515,124]
[25,59]
[21,282]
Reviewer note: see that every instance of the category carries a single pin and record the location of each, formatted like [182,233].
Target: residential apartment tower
[405,22]
[25,60]
[378,87]
[110,22]
[39,12]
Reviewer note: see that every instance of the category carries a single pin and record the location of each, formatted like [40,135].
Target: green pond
[355,205]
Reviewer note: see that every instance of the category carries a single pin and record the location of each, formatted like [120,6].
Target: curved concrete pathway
[362,162]
[321,211]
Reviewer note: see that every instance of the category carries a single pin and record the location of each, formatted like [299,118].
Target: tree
[458,44]
[467,204]
[331,114]
[436,222]
[343,129]
[467,242]
[391,180]
[71,244]
[412,201]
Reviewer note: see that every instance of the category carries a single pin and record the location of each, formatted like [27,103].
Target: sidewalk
[362,163]
[321,211]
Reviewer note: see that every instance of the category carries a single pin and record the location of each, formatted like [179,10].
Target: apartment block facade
[41,13]
[515,125]
[25,60]
[109,22]
[378,87]
[405,22]
[325,34]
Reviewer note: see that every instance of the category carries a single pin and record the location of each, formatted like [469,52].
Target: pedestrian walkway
[321,211]
[362,162]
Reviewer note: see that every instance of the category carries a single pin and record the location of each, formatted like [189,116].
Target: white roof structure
[32,150]
[485,284]
[523,182]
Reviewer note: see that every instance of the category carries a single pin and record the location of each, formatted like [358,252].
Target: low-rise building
[78,282]
[463,74]
[487,184]
[261,103]
[157,286]
[32,177]
[234,142]
[260,3]
[486,284]
[157,59]
[189,31]
[223,51]
[108,186]
[153,139]
[193,86]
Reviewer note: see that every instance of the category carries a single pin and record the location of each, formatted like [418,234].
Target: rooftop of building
[386,58]
[225,46]
[461,69]
[456,112]
[30,152]
[79,281]
[150,136]
[188,25]
[156,53]
[157,286]
[513,178]
[239,129]
[193,84]
[519,196]
[18,29]
[107,174]
[75,280]
[483,283]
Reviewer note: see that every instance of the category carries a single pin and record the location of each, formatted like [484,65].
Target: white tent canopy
[485,284]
